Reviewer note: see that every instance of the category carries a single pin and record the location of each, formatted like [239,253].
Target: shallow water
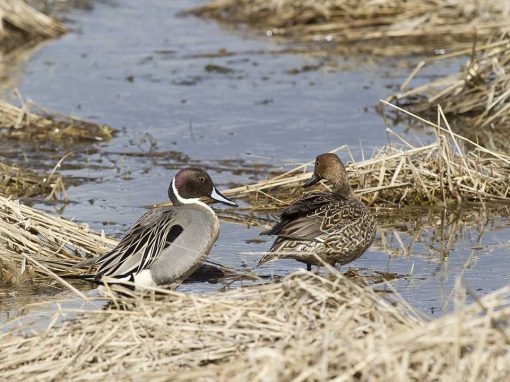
[140,68]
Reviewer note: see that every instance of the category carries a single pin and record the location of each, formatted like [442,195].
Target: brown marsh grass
[18,182]
[35,245]
[385,27]
[307,327]
[476,99]
[33,123]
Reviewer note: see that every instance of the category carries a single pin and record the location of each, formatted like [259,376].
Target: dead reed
[476,99]
[401,173]
[308,327]
[19,182]
[35,245]
[43,126]
[20,23]
[384,27]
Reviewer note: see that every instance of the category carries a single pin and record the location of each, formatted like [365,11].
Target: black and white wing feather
[141,246]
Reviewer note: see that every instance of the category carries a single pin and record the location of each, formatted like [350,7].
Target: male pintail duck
[168,243]
[335,225]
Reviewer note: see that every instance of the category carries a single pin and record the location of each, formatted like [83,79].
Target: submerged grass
[433,233]
[384,27]
[476,99]
[307,327]
[22,123]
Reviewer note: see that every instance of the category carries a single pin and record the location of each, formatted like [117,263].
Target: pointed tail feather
[86,277]
[267,258]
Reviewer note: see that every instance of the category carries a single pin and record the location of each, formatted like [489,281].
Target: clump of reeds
[23,123]
[17,182]
[35,245]
[385,27]
[476,99]
[308,327]
[400,174]
[20,23]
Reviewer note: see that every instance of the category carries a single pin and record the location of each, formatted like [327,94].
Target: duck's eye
[201,179]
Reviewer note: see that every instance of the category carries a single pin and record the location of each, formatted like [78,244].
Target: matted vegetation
[34,245]
[20,23]
[24,123]
[476,99]
[307,327]
[385,27]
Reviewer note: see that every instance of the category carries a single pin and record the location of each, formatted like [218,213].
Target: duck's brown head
[329,167]
[192,183]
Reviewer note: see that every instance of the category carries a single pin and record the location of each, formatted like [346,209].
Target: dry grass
[22,123]
[476,99]
[401,174]
[20,23]
[19,182]
[308,327]
[35,245]
[385,27]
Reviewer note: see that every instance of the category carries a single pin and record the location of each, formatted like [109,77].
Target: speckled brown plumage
[335,226]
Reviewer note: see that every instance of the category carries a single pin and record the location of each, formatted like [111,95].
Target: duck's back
[336,228]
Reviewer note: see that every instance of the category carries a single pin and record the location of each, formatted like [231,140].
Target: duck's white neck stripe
[195,201]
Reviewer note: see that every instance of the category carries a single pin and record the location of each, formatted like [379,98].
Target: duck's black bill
[216,195]
[310,182]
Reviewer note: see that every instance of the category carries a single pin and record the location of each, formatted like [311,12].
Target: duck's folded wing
[297,216]
[308,204]
[304,228]
[141,246]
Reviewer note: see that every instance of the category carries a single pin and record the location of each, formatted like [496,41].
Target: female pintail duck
[168,243]
[335,225]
